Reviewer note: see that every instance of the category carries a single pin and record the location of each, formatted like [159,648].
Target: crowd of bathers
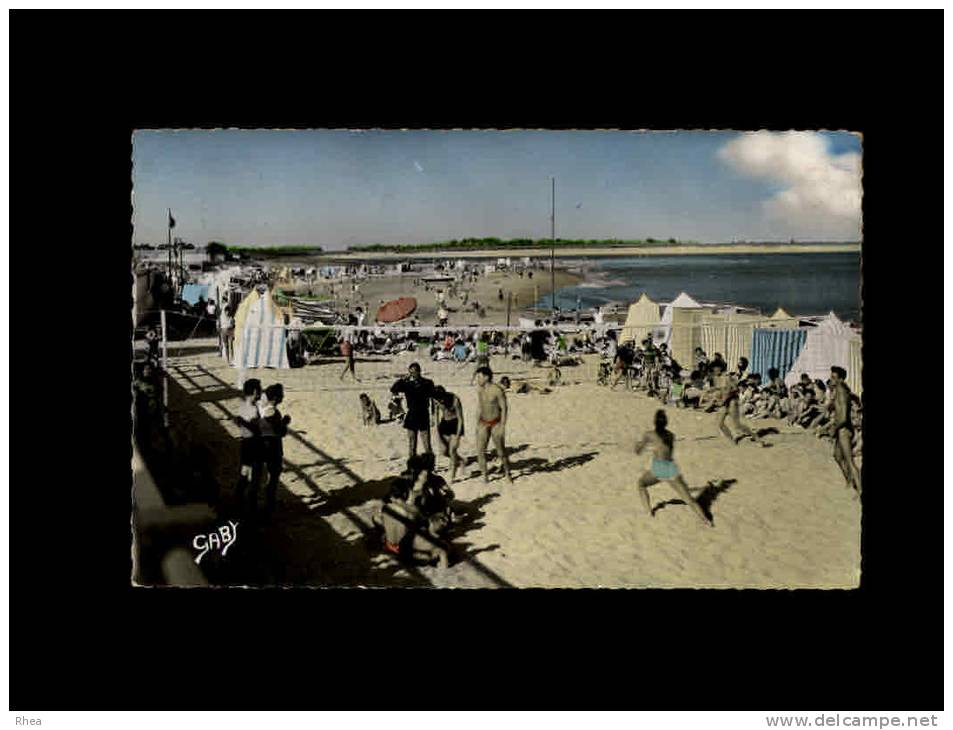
[455,345]
[651,369]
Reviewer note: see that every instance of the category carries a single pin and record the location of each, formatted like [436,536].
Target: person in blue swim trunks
[664,469]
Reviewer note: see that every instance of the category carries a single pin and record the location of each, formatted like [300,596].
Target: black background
[81,638]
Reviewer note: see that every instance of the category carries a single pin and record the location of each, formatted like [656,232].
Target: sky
[337,188]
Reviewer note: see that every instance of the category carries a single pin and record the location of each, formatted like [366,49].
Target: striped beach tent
[855,366]
[260,333]
[728,333]
[775,348]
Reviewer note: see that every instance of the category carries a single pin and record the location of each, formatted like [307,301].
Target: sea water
[804,284]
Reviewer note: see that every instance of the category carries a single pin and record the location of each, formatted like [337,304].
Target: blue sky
[339,188]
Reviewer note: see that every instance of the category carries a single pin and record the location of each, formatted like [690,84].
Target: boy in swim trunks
[843,429]
[662,443]
[492,421]
[728,396]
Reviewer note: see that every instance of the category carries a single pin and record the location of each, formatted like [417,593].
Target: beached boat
[396,310]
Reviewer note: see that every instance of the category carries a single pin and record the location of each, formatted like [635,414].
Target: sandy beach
[783,517]
[485,290]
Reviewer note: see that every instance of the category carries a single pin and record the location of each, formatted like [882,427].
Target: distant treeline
[472,244]
[267,251]
[498,243]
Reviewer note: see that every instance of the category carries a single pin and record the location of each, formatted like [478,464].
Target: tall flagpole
[552,257]
[170,245]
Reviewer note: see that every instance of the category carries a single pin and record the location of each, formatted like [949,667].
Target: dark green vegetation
[473,244]
[264,251]
[476,244]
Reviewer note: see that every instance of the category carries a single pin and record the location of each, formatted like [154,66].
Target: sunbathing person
[662,443]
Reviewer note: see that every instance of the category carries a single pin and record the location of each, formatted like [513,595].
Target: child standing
[249,458]
[273,427]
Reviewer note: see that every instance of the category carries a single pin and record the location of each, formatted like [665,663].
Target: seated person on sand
[779,391]
[676,391]
[694,389]
[753,386]
[808,408]
[416,514]
[661,441]
[824,405]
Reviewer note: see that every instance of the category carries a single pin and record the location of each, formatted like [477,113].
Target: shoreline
[485,290]
[598,251]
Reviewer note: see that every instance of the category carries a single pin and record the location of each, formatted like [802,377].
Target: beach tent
[828,344]
[775,348]
[681,303]
[781,320]
[643,317]
[728,332]
[855,366]
[685,333]
[191,293]
[260,333]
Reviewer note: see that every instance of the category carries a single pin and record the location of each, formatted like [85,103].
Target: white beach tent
[684,313]
[642,319]
[682,301]
[827,345]
[260,333]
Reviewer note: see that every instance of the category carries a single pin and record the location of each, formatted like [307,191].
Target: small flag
[171,219]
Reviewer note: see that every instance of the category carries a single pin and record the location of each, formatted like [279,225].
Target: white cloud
[418,166]
[821,195]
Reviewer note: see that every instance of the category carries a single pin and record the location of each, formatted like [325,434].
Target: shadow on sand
[298,546]
[468,517]
[536,465]
[706,496]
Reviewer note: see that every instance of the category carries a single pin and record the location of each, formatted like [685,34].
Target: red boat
[396,310]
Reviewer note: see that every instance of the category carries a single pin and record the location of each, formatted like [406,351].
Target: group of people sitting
[649,367]
[416,515]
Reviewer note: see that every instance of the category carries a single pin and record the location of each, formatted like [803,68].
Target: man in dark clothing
[418,391]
